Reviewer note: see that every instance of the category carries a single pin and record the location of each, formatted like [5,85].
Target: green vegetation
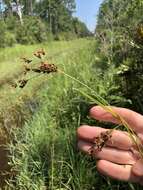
[120,40]
[38,123]
[43,153]
[30,22]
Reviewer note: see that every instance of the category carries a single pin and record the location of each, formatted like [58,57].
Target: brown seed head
[36,70]
[100,142]
[14,85]
[26,67]
[48,68]
[26,60]
[22,82]
[39,53]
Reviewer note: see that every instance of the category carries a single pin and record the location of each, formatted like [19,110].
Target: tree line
[119,35]
[34,21]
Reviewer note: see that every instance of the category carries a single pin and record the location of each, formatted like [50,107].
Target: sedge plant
[47,68]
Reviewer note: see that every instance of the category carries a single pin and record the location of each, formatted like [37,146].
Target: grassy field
[39,122]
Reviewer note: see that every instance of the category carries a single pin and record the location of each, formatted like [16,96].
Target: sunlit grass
[17,105]
[45,153]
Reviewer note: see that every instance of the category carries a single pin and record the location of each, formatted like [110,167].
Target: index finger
[119,139]
[134,119]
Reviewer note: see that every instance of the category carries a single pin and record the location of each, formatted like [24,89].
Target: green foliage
[33,31]
[80,28]
[2,32]
[59,14]
[6,38]
[119,35]
[115,27]
[65,36]
[9,39]
[40,21]
[44,152]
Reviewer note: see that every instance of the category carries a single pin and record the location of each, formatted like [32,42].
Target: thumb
[137,168]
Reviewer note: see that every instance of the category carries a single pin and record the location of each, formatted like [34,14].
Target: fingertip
[82,130]
[84,146]
[138,168]
[95,111]
[100,165]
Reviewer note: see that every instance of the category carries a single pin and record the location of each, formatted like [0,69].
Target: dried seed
[48,68]
[14,85]
[37,70]
[26,60]
[22,83]
[99,142]
[39,53]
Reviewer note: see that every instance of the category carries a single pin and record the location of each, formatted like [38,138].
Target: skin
[120,158]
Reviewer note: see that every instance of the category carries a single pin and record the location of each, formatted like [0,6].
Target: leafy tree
[119,36]
[42,18]
[80,28]
[58,14]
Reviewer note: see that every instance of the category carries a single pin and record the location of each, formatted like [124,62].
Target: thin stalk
[104,102]
[105,105]
[38,75]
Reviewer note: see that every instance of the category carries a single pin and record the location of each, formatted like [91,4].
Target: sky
[86,11]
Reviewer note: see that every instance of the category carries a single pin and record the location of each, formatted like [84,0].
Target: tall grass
[44,154]
[11,65]
[17,106]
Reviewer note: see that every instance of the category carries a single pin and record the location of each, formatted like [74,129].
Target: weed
[44,152]
[46,68]
[100,141]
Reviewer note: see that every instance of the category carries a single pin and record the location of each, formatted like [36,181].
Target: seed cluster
[43,68]
[26,60]
[100,141]
[48,68]
[39,53]
[22,83]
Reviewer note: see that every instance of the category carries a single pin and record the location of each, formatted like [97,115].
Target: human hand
[120,158]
